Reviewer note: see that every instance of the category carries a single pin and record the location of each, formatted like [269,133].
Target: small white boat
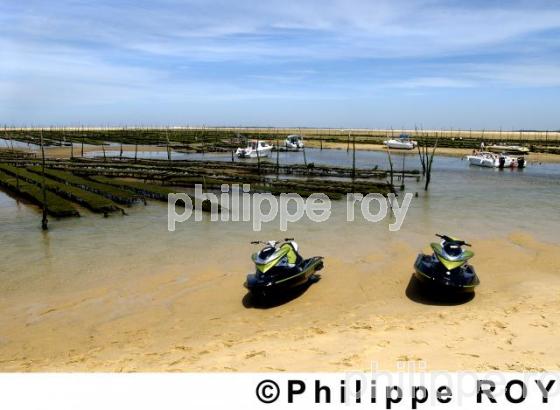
[403,142]
[518,149]
[493,160]
[293,142]
[254,149]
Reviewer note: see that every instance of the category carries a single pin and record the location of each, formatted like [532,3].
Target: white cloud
[521,75]
[483,75]
[80,53]
[222,30]
[432,82]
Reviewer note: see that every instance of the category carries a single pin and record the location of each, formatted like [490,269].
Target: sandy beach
[361,313]
[124,294]
[151,159]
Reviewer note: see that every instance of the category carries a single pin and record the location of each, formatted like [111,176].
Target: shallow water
[488,198]
[7,143]
[465,201]
[35,148]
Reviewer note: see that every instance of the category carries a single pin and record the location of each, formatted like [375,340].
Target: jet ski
[280,267]
[447,268]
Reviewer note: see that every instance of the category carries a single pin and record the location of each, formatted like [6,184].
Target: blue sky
[325,63]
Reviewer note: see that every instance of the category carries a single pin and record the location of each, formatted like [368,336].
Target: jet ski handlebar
[451,240]
[267,242]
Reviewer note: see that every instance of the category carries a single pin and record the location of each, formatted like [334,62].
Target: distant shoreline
[553,135]
[65,152]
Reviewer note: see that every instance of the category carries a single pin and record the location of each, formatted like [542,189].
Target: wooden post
[12,144]
[203,136]
[6,136]
[122,136]
[430,162]
[390,165]
[353,161]
[45,219]
[402,171]
[258,155]
[303,149]
[135,149]
[277,157]
[231,146]
[168,150]
[418,145]
[17,164]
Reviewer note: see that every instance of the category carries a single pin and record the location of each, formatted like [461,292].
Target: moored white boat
[403,142]
[492,160]
[293,142]
[518,149]
[254,149]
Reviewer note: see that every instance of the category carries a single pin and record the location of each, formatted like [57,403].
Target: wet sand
[362,311]
[123,294]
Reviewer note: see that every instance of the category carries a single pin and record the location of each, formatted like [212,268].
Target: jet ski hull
[282,278]
[432,274]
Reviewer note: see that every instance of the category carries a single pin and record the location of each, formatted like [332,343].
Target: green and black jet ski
[280,267]
[447,268]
